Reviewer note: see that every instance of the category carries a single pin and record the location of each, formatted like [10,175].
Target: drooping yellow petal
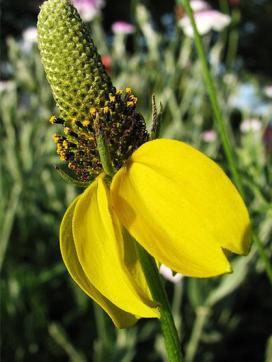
[120,318]
[109,262]
[181,208]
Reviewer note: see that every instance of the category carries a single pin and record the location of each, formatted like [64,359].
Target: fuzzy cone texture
[72,64]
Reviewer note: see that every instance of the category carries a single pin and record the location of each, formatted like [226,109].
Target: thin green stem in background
[60,337]
[102,327]
[8,220]
[222,129]
[224,6]
[170,334]
[233,38]
[137,33]
[104,341]
[202,314]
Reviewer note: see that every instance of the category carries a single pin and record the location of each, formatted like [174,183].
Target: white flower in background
[168,274]
[6,85]
[30,35]
[250,125]
[199,5]
[122,27]
[29,38]
[206,20]
[88,9]
[209,135]
[268,91]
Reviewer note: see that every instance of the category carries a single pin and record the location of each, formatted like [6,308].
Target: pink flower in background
[88,9]
[209,136]
[122,27]
[206,20]
[168,274]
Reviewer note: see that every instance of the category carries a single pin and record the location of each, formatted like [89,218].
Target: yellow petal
[181,208]
[110,263]
[120,318]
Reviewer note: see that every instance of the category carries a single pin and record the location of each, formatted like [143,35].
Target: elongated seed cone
[72,65]
[84,94]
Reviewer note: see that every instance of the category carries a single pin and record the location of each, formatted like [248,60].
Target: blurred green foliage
[44,316]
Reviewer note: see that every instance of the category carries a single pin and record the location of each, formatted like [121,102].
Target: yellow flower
[176,202]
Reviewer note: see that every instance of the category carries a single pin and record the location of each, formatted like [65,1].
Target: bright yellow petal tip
[181,207]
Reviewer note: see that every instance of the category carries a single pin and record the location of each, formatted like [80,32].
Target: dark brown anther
[59,121]
[72,145]
[69,156]
[71,133]
[78,124]
[56,120]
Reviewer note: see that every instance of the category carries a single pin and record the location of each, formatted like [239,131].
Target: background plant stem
[104,342]
[233,38]
[202,314]
[8,220]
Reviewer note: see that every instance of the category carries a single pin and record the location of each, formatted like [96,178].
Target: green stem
[104,340]
[9,220]
[224,6]
[233,39]
[202,314]
[222,129]
[137,34]
[102,327]
[259,245]
[170,334]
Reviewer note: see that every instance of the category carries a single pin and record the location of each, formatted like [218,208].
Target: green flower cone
[71,62]
[84,94]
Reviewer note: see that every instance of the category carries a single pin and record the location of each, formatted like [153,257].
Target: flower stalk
[170,333]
